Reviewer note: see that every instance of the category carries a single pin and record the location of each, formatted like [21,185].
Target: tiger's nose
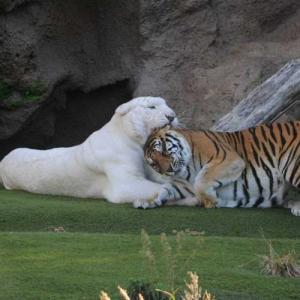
[170,118]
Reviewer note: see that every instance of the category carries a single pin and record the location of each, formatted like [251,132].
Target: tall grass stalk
[169,261]
[149,258]
[173,260]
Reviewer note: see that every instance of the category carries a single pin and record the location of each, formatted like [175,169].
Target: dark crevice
[273,21]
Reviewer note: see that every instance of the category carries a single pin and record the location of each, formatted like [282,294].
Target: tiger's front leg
[174,192]
[216,174]
[169,194]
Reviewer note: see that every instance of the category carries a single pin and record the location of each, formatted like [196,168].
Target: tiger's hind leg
[216,174]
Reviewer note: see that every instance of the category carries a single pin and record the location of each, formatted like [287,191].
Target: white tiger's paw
[144,204]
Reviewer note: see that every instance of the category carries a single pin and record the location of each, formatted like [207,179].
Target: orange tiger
[248,168]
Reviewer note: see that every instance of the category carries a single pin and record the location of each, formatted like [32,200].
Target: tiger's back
[272,156]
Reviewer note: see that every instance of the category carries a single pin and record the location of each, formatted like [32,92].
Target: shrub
[193,291]
[146,290]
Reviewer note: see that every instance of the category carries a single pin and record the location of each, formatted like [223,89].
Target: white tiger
[109,164]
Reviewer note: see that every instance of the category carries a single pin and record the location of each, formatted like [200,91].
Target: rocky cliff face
[63,62]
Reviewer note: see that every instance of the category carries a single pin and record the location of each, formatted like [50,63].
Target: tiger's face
[167,152]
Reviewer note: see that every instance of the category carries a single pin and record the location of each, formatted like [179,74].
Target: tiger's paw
[207,201]
[166,194]
[295,207]
[295,211]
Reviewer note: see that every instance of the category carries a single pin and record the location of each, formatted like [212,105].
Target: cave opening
[70,119]
[86,112]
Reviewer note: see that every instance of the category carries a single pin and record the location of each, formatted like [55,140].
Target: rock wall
[203,56]
[65,45]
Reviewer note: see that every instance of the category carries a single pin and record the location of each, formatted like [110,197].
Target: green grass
[101,247]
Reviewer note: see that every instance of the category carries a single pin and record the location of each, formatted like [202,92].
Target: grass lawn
[101,247]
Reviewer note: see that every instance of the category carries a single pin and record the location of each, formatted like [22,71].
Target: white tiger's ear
[123,109]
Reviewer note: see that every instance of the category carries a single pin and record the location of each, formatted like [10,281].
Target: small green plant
[147,290]
[5,90]
[31,94]
[34,92]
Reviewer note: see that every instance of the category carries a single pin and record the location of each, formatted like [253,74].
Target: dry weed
[56,229]
[169,261]
[148,255]
[280,265]
[193,290]
[123,294]
[104,296]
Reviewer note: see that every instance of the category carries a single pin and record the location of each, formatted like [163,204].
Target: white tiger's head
[144,114]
